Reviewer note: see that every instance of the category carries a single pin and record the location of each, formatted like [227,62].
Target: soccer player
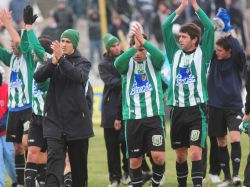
[20,92]
[187,92]
[143,108]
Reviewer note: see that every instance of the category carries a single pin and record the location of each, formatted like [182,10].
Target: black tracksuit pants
[112,142]
[77,151]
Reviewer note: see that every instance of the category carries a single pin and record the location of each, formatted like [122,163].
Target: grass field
[98,175]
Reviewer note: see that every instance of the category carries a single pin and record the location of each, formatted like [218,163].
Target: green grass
[97,164]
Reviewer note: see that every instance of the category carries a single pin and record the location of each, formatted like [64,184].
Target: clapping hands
[137,34]
[57,51]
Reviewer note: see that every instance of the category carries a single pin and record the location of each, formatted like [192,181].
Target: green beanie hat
[73,35]
[109,40]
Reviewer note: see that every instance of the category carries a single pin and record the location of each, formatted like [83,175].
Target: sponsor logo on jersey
[185,76]
[141,84]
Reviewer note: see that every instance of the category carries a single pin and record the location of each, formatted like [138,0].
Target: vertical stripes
[204,126]
[126,137]
[20,89]
[155,84]
[142,101]
[163,126]
[127,84]
[188,93]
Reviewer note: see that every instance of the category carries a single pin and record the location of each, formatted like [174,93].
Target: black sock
[144,166]
[158,172]
[236,157]
[197,173]
[136,177]
[224,161]
[30,174]
[41,173]
[182,173]
[20,165]
[67,181]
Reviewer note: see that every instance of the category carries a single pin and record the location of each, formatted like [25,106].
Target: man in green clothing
[142,103]
[20,91]
[187,92]
[35,169]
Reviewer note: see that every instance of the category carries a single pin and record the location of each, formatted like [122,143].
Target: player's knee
[25,141]
[19,149]
[135,162]
[181,157]
[195,153]
[222,141]
[158,157]
[235,136]
[33,155]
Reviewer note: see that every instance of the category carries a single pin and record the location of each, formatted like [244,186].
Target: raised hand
[57,51]
[5,16]
[185,3]
[138,35]
[194,4]
[28,16]
[182,6]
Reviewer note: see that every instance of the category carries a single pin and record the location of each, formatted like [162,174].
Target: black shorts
[18,123]
[144,135]
[188,126]
[35,137]
[221,119]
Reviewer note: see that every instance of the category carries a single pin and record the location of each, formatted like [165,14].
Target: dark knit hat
[109,40]
[73,35]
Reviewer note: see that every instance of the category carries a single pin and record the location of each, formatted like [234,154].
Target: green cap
[73,35]
[109,40]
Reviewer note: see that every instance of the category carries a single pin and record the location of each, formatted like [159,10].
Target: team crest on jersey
[157,140]
[195,134]
[185,76]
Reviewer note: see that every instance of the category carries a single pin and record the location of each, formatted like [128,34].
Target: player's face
[14,49]
[115,50]
[221,53]
[186,43]
[67,46]
[140,54]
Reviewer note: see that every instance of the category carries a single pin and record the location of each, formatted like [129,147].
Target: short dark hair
[224,43]
[192,30]
[46,43]
[132,39]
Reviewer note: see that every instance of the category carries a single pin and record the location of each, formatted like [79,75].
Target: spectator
[158,19]
[16,7]
[94,36]
[63,16]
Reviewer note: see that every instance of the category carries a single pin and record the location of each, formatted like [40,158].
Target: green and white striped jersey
[21,75]
[39,94]
[20,83]
[188,86]
[142,94]
[39,90]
